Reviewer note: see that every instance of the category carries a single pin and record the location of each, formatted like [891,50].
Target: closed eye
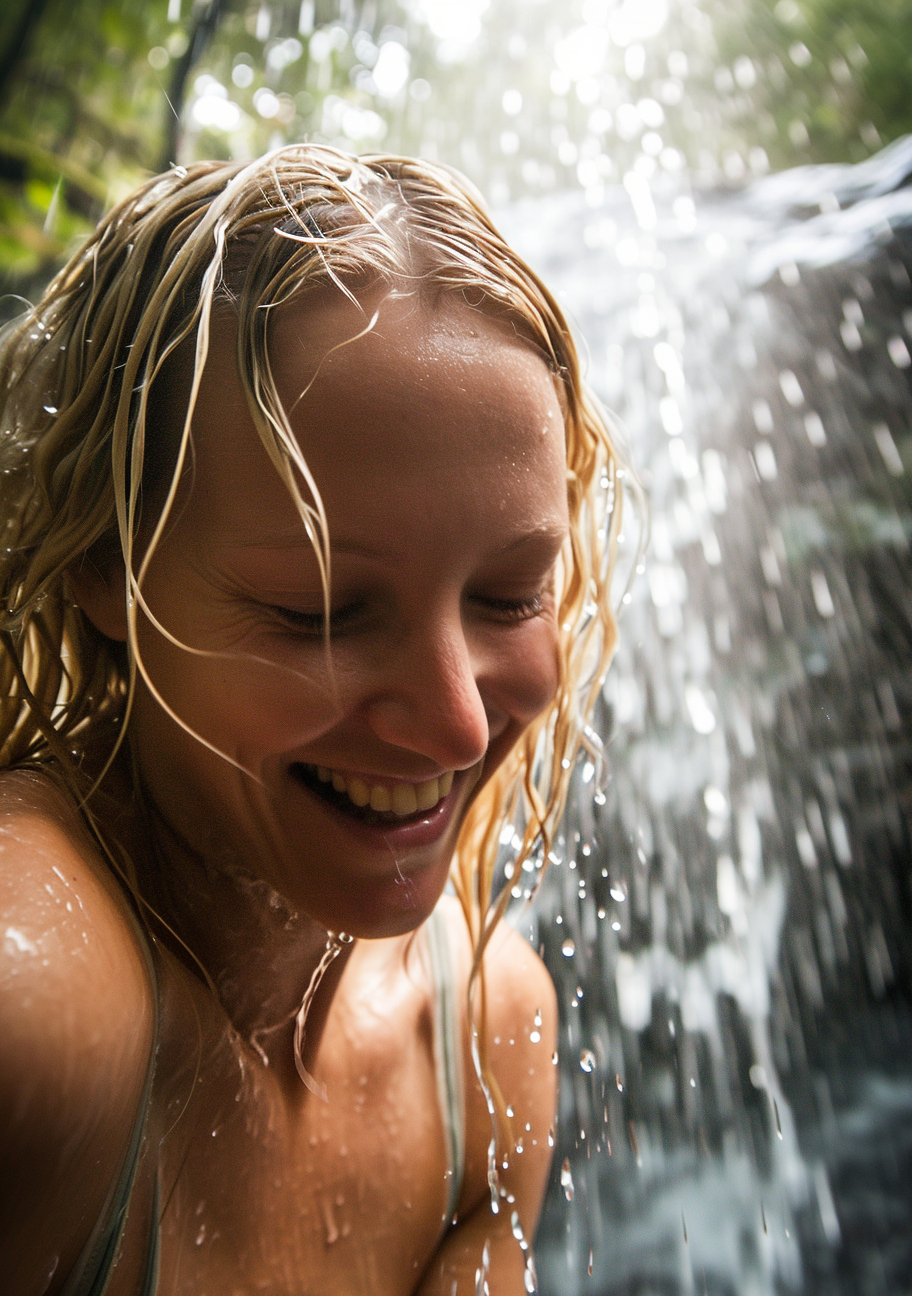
[518,609]
[508,610]
[314,623]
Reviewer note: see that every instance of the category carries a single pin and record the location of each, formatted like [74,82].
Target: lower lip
[405,836]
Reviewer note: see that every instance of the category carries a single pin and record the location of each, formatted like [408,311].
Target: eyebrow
[555,531]
[285,541]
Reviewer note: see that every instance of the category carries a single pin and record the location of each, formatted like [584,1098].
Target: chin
[380,908]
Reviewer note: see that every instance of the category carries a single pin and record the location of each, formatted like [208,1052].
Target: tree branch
[9,60]
[204,29]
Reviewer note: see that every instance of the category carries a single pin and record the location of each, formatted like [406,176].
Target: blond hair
[77,374]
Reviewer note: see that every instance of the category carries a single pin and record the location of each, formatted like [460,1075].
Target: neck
[261,957]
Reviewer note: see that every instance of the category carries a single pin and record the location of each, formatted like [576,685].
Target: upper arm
[76,1026]
[521,1032]
[521,1026]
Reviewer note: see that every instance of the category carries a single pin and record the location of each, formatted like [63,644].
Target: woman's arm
[76,1021]
[522,1031]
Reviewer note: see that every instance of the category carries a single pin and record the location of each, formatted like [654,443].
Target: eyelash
[523,609]
[509,610]
[310,622]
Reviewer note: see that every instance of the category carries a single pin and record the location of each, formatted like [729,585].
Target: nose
[428,700]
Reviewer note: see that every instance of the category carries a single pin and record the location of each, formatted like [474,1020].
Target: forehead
[397,394]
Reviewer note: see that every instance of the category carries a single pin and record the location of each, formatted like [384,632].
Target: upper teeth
[402,798]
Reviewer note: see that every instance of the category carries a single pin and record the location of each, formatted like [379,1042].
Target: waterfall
[728,932]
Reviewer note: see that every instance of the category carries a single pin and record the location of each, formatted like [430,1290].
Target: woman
[305,599]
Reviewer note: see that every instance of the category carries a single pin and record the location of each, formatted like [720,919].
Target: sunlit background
[527,96]
[719,193]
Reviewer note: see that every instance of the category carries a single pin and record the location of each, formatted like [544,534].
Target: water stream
[729,930]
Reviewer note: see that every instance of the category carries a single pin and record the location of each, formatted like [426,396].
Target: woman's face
[437,444]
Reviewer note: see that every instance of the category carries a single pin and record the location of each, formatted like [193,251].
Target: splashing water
[334,946]
[566,1179]
[736,922]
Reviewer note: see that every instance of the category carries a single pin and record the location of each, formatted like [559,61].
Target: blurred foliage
[80,118]
[831,80]
[96,94]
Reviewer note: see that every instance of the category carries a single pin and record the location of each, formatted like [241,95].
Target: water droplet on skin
[50,1271]
[332,1232]
[516,1226]
[493,1183]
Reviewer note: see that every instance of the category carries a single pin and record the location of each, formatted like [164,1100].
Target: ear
[101,595]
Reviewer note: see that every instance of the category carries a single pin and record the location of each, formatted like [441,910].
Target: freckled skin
[420,506]
[436,441]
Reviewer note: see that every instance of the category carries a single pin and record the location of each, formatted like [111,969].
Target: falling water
[727,925]
[728,932]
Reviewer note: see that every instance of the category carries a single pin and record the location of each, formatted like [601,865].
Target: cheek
[529,672]
[246,703]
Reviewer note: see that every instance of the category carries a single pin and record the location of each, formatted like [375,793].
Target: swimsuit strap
[92,1271]
[448,1055]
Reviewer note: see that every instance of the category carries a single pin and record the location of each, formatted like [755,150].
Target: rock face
[730,928]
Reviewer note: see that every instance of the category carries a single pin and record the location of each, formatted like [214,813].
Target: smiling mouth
[375,803]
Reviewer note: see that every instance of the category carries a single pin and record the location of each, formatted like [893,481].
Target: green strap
[92,1271]
[448,1056]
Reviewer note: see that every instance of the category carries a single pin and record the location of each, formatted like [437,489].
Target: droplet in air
[568,949]
[587,1061]
[493,1182]
[899,353]
[566,1179]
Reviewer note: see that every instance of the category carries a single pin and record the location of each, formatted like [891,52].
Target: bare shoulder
[518,986]
[520,1038]
[76,1029]
[518,977]
[66,926]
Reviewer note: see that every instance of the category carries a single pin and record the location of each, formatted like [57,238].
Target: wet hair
[91,449]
